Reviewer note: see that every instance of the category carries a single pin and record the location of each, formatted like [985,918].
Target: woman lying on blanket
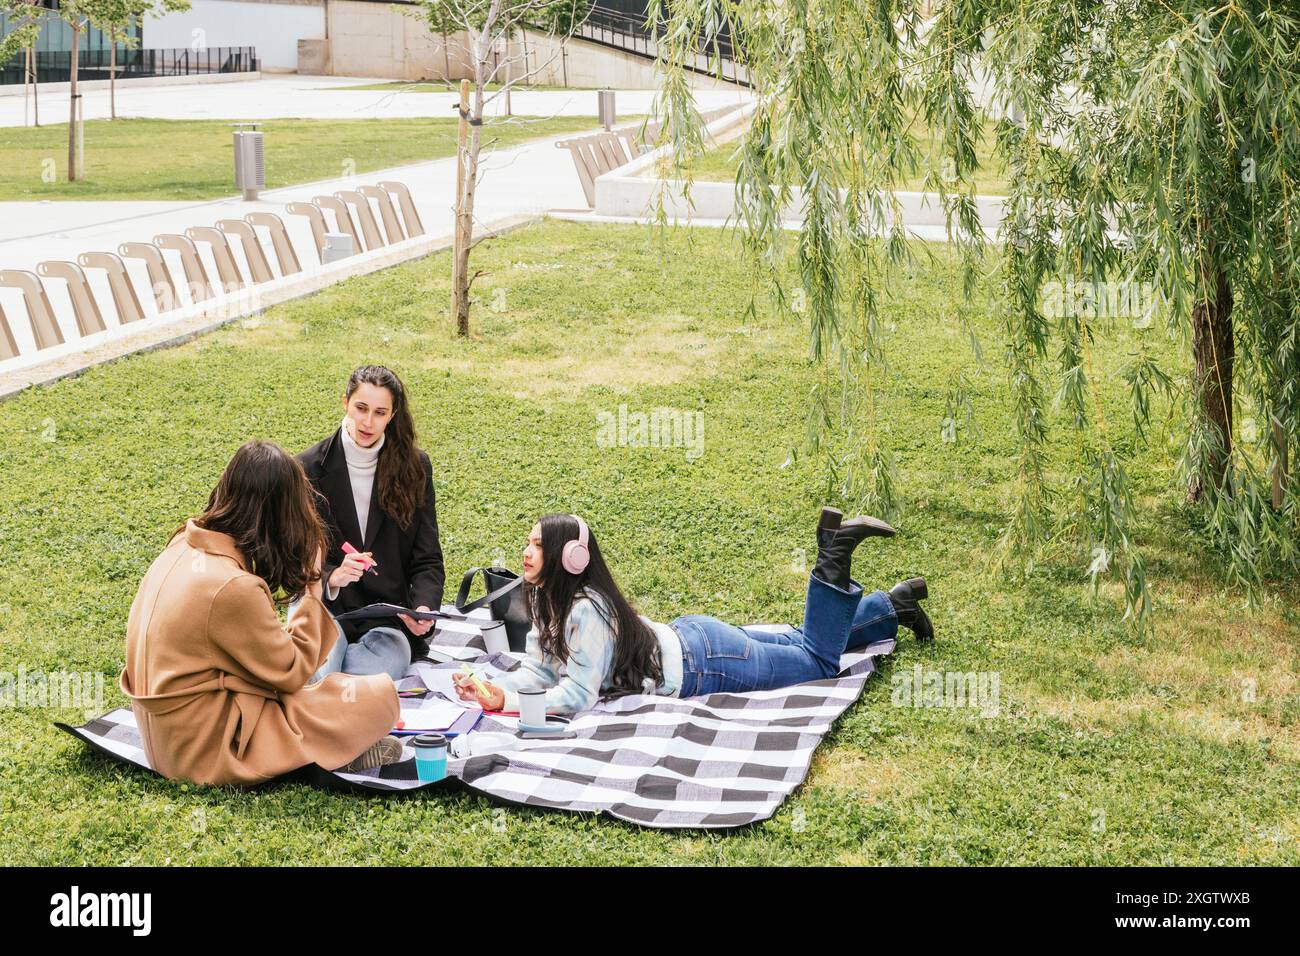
[587,640]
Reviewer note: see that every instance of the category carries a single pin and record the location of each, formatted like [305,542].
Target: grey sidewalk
[325,97]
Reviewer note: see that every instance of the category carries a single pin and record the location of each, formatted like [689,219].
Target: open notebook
[436,716]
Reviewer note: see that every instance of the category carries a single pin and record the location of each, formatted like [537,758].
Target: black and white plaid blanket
[719,761]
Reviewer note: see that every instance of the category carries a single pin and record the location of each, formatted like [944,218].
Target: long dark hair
[636,649]
[266,503]
[399,477]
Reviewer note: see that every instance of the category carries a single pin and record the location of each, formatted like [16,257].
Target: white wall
[592,65]
[383,39]
[273,27]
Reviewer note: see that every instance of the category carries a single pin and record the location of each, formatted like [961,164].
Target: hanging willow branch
[1151,146]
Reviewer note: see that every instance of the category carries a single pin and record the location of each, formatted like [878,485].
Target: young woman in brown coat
[222,690]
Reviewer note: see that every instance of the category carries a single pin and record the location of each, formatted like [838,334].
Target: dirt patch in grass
[1206,723]
[874,776]
[673,354]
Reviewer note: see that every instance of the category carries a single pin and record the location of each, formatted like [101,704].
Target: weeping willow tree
[1150,143]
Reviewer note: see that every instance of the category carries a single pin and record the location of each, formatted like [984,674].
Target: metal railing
[56,67]
[627,32]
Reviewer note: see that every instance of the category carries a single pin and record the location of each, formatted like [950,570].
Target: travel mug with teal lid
[430,756]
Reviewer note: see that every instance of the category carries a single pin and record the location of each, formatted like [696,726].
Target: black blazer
[409,561]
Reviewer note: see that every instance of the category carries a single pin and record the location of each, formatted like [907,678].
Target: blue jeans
[720,657]
[381,650]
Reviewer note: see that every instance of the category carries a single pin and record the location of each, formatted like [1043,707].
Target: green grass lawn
[1180,748]
[719,164]
[193,159]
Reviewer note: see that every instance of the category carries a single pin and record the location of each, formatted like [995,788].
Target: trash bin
[605,108]
[338,245]
[250,169]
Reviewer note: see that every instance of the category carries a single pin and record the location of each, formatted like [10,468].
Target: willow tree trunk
[1279,467]
[1212,352]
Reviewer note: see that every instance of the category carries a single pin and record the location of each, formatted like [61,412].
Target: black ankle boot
[906,597]
[836,540]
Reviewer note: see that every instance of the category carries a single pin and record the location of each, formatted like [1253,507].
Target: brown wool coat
[218,684]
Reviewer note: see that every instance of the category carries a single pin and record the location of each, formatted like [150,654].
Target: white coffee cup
[495,638]
[532,708]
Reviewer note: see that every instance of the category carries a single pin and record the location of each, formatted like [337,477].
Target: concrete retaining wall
[633,190]
[386,40]
[577,62]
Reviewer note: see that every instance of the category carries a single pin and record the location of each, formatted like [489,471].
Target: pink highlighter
[348,549]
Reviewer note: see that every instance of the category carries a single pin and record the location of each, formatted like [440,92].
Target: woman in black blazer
[377,491]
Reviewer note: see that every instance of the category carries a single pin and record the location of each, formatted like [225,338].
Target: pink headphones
[575,555]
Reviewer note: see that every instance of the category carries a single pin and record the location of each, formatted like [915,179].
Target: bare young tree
[489,27]
[76,14]
[115,19]
[112,16]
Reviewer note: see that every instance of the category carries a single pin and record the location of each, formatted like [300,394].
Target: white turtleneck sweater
[362,465]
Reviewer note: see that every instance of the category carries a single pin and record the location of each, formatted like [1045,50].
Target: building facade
[54,46]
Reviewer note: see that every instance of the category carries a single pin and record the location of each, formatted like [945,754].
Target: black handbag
[504,598]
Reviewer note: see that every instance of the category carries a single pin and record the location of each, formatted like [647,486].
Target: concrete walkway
[326,97]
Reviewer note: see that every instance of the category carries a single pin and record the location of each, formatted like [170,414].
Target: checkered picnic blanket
[724,760]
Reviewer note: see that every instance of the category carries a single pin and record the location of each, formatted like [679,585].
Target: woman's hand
[466,690]
[354,565]
[414,625]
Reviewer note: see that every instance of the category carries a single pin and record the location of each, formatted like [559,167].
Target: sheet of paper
[439,679]
[431,714]
[439,682]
